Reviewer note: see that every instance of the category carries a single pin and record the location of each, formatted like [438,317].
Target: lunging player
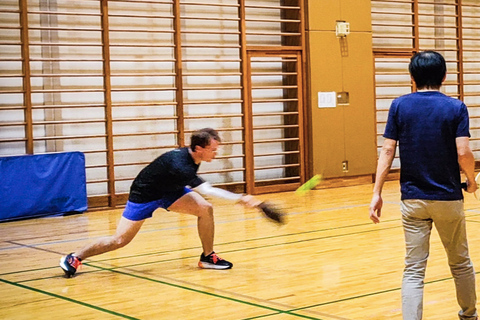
[169,182]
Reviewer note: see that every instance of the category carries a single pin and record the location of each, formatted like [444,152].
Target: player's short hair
[203,137]
[428,69]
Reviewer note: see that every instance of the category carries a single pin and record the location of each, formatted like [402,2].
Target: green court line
[199,247]
[68,299]
[258,247]
[277,311]
[262,316]
[474,221]
[230,221]
[355,297]
[92,264]
[221,244]
[246,240]
[368,295]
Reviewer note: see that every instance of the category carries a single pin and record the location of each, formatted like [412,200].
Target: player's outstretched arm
[250,201]
[206,189]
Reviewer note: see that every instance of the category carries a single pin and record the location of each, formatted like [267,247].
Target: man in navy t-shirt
[167,183]
[432,131]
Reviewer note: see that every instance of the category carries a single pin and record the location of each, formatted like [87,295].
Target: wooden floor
[328,262]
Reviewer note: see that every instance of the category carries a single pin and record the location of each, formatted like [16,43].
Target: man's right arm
[466,161]
[384,163]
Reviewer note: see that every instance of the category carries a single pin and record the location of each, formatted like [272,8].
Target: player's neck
[428,89]
[195,156]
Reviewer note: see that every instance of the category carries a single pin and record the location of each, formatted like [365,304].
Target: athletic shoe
[212,261]
[70,264]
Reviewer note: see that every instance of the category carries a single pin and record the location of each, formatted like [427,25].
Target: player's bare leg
[126,231]
[193,203]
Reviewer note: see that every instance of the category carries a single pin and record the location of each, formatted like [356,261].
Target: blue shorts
[141,211]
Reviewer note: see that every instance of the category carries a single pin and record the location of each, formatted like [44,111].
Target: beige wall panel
[327,123]
[344,132]
[322,14]
[358,14]
[358,73]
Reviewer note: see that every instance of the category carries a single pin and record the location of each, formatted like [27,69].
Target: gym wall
[343,137]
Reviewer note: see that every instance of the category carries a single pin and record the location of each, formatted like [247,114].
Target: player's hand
[250,201]
[471,186]
[376,208]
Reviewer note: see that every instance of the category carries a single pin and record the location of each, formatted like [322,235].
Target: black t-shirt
[170,172]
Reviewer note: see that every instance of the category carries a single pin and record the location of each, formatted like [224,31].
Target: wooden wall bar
[124,81]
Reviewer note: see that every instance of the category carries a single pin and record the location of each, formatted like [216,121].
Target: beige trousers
[449,220]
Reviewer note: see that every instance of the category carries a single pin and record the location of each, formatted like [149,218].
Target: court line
[191,257]
[192,289]
[369,294]
[195,225]
[37,246]
[255,239]
[197,247]
[276,310]
[263,246]
[230,293]
[229,221]
[358,297]
[67,299]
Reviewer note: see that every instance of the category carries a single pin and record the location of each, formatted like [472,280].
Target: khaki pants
[449,220]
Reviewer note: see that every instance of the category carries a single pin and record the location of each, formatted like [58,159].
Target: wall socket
[345,166]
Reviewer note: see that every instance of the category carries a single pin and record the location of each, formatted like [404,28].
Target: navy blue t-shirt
[426,124]
[170,172]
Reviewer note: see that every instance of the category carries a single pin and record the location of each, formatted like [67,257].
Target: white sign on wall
[327,99]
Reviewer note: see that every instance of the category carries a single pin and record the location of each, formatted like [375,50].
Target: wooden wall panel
[358,80]
[321,14]
[358,13]
[328,136]
[346,132]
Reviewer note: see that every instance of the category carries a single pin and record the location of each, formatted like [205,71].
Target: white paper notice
[327,99]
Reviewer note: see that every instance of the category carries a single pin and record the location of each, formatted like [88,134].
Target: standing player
[167,183]
[433,135]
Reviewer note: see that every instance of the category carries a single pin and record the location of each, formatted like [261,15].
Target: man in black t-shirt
[168,183]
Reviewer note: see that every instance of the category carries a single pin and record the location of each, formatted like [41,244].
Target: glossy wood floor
[328,262]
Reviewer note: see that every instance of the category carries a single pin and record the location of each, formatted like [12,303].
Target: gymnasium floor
[329,262]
